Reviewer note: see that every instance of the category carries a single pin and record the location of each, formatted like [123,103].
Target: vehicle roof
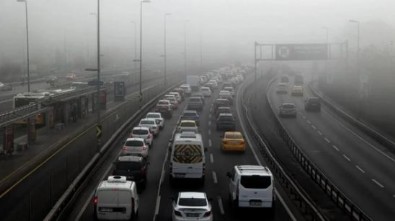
[140,128]
[135,138]
[224,108]
[190,111]
[150,119]
[158,113]
[288,104]
[192,195]
[226,114]
[232,133]
[118,182]
[188,136]
[164,100]
[187,121]
[130,158]
[253,170]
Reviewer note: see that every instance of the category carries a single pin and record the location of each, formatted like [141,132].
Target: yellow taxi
[233,141]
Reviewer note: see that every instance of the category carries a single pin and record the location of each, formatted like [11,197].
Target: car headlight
[177,213]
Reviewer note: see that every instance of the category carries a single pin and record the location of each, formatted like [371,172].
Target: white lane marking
[335,147]
[319,133]
[209,143]
[327,140]
[313,127]
[209,132]
[221,206]
[215,177]
[377,183]
[211,158]
[360,169]
[346,157]
[157,205]
[209,123]
[309,122]
[365,141]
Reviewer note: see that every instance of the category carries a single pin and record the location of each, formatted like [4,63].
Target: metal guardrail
[304,203]
[21,112]
[382,139]
[316,174]
[71,192]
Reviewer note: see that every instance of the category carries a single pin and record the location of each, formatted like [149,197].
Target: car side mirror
[205,149]
[171,140]
[228,174]
[210,199]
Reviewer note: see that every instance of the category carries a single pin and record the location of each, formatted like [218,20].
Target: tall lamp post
[141,48]
[135,42]
[358,23]
[360,108]
[164,50]
[27,45]
[98,127]
[185,47]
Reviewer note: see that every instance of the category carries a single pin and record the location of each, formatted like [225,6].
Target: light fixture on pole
[135,43]
[27,46]
[358,23]
[164,50]
[185,47]
[141,49]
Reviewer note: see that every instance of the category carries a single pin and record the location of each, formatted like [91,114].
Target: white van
[251,186]
[116,199]
[187,158]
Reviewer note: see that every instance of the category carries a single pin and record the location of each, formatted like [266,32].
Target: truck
[194,82]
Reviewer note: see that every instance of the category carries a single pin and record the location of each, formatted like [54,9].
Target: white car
[231,90]
[187,89]
[151,124]
[172,99]
[143,132]
[192,206]
[206,91]
[187,125]
[158,117]
[177,95]
[135,146]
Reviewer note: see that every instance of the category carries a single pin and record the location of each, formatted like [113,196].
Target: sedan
[158,117]
[135,146]
[151,124]
[192,206]
[287,110]
[233,141]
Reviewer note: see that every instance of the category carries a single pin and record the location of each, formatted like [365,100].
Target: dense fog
[62,33]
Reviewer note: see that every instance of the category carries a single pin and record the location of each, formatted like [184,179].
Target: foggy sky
[225,28]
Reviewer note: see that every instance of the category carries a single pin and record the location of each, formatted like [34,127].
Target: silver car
[287,110]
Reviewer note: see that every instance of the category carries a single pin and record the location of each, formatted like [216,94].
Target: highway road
[156,198]
[355,163]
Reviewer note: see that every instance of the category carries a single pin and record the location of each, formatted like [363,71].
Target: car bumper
[233,147]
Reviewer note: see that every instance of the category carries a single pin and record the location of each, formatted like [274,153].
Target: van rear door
[114,204]
[255,191]
[188,160]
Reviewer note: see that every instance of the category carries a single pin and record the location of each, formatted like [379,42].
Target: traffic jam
[249,186]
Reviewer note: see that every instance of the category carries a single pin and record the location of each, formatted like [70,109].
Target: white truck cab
[251,186]
[116,199]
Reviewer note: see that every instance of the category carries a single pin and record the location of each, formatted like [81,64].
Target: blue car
[191,115]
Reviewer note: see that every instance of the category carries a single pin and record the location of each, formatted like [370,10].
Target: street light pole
[135,43]
[357,22]
[141,49]
[164,49]
[99,127]
[185,47]
[27,45]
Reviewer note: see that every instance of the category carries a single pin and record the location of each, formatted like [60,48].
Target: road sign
[98,131]
[95,83]
[301,51]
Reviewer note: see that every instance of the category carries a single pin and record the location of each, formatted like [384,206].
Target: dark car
[226,121]
[191,115]
[220,102]
[312,104]
[134,167]
[195,103]
[221,110]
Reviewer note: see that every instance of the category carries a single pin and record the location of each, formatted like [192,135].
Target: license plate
[192,214]
[179,175]
[255,203]
[104,209]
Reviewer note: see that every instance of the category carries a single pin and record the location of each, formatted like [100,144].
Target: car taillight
[177,213]
[95,200]
[124,148]
[145,147]
[242,142]
[207,214]
[149,135]
[225,142]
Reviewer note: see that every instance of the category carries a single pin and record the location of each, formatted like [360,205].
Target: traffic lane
[336,165]
[148,197]
[222,162]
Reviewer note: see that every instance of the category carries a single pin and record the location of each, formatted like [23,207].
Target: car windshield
[153,116]
[226,118]
[255,181]
[187,124]
[194,99]
[127,165]
[233,136]
[288,106]
[147,122]
[140,132]
[134,143]
[192,202]
[189,115]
